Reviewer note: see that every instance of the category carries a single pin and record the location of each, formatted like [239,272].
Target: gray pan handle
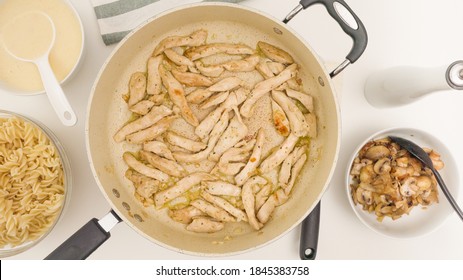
[349,22]
[86,240]
[309,234]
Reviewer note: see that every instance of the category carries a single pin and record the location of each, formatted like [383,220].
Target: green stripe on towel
[120,7]
[112,38]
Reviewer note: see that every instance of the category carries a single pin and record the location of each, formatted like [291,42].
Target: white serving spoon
[30,37]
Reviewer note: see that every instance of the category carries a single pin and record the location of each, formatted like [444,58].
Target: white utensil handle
[404,84]
[55,93]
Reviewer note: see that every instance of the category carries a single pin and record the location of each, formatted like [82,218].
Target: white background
[413,32]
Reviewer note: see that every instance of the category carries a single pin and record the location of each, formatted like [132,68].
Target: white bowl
[9,90]
[420,221]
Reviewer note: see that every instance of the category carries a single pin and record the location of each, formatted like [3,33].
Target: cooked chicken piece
[153,83]
[214,100]
[225,84]
[177,95]
[178,58]
[138,166]
[212,71]
[294,84]
[295,170]
[275,53]
[215,212]
[167,166]
[266,86]
[279,155]
[158,148]
[305,99]
[185,215]
[253,161]
[275,67]
[157,99]
[222,188]
[205,225]
[262,196]
[264,213]
[216,48]
[183,142]
[244,65]
[180,187]
[225,205]
[217,131]
[235,131]
[263,68]
[142,107]
[312,122]
[297,121]
[285,171]
[207,124]
[154,116]
[247,195]
[196,38]
[232,161]
[144,186]
[137,88]
[191,79]
[151,132]
[280,120]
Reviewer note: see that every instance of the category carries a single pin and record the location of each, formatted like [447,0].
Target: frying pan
[107,112]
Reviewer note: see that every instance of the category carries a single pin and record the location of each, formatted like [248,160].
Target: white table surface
[413,32]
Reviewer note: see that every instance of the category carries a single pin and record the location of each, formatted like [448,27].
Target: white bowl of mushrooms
[391,192]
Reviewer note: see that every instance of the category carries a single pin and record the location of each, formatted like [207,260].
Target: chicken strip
[275,67]
[295,170]
[222,188]
[275,53]
[158,148]
[153,83]
[138,166]
[205,225]
[178,58]
[212,71]
[266,86]
[207,124]
[214,212]
[235,131]
[180,187]
[137,88]
[151,132]
[216,48]
[167,166]
[142,107]
[185,143]
[144,186]
[244,65]
[191,79]
[177,95]
[219,128]
[312,122]
[232,161]
[196,38]
[285,170]
[279,155]
[263,68]
[225,84]
[280,120]
[247,195]
[262,196]
[254,160]
[297,121]
[305,99]
[225,205]
[154,116]
[185,215]
[214,100]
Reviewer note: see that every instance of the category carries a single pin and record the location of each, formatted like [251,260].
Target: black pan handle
[349,22]
[309,234]
[86,240]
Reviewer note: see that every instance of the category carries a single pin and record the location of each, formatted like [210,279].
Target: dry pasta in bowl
[34,182]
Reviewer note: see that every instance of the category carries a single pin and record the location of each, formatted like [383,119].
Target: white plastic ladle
[30,37]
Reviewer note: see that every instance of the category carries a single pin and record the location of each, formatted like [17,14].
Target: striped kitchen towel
[116,18]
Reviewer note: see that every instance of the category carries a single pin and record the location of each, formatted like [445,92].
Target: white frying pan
[107,112]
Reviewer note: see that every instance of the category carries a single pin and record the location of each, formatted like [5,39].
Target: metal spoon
[423,157]
[30,37]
